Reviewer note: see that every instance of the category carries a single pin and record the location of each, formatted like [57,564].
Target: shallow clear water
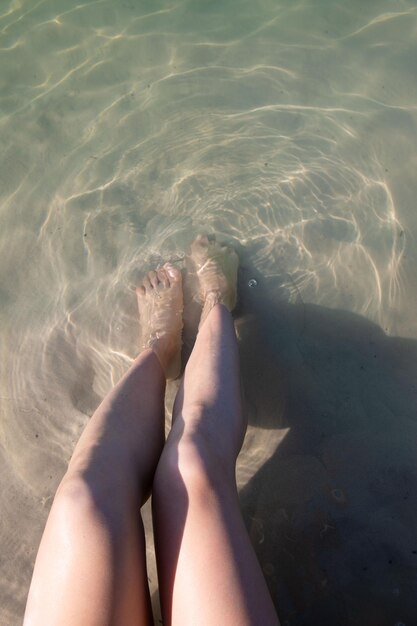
[290,129]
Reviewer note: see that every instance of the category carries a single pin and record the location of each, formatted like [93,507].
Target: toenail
[170,270]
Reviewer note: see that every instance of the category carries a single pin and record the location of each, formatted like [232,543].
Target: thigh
[91,565]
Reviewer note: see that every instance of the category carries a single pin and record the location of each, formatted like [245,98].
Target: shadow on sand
[332,513]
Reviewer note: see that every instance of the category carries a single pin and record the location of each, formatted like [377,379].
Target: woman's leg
[207,568]
[91,567]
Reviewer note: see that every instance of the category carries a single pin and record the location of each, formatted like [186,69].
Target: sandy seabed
[288,130]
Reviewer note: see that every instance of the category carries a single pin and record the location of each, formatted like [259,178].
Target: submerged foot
[160,304]
[216,268]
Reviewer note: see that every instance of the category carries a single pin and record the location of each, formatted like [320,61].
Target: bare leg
[91,569]
[208,571]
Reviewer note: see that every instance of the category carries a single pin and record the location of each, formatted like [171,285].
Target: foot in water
[160,304]
[215,266]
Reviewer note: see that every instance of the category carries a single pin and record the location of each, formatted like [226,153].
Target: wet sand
[290,131]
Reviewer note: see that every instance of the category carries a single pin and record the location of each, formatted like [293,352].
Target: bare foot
[216,269]
[160,304]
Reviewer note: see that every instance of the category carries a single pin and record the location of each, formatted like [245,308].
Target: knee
[79,498]
[192,463]
[75,494]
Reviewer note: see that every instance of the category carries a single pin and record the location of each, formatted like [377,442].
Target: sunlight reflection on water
[125,131]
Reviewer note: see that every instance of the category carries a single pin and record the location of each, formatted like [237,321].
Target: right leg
[208,571]
[91,565]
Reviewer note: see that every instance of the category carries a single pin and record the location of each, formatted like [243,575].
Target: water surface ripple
[286,127]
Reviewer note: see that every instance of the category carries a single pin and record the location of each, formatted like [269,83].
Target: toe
[146,284]
[200,242]
[173,273]
[153,279]
[140,291]
[163,277]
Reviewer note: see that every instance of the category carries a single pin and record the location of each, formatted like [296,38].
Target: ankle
[168,354]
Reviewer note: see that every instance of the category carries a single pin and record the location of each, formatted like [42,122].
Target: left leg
[207,568]
[91,569]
